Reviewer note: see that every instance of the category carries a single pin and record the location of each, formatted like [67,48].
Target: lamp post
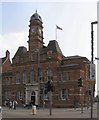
[0,81]
[96,58]
[39,76]
[98,97]
[38,72]
[92,62]
[92,48]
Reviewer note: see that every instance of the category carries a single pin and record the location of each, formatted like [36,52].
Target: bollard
[33,109]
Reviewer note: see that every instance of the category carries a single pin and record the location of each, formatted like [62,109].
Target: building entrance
[32,93]
[33,98]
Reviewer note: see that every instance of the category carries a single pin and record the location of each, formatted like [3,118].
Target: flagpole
[59,28]
[56,32]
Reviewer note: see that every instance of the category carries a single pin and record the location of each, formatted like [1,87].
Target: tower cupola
[35,32]
[36,16]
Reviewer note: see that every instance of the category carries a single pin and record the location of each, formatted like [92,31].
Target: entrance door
[33,98]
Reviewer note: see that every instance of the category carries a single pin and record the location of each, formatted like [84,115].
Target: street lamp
[92,49]
[96,58]
[38,72]
[98,97]
[92,62]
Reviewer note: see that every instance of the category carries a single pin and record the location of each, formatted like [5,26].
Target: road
[44,113]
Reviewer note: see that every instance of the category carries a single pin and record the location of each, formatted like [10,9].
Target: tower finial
[36,10]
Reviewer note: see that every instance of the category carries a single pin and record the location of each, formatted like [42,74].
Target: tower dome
[36,16]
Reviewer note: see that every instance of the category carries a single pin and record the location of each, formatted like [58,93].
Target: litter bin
[33,109]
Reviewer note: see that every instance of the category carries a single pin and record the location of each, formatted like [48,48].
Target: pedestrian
[10,104]
[14,104]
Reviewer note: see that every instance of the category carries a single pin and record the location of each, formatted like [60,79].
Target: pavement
[46,113]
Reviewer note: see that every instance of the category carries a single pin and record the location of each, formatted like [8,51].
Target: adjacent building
[32,68]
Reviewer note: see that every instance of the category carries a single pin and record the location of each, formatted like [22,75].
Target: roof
[73,57]
[21,51]
[3,59]
[36,16]
[53,45]
[76,57]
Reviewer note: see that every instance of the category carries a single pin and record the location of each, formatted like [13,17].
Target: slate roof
[53,46]
[3,59]
[36,16]
[21,51]
[73,57]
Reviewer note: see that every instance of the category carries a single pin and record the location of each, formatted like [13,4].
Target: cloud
[12,41]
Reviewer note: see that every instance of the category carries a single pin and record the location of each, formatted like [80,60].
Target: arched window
[25,77]
[18,76]
[49,74]
[32,76]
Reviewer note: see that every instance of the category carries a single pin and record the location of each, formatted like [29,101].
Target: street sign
[92,82]
[92,73]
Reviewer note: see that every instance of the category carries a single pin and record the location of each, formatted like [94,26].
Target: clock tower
[35,32]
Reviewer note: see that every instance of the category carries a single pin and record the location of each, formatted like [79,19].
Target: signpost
[92,67]
[49,87]
[92,74]
[98,58]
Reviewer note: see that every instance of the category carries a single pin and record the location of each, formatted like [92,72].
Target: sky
[73,16]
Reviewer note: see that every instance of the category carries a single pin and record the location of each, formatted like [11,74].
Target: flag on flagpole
[59,27]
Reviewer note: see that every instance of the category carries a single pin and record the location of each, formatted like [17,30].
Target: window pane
[64,94]
[65,76]
[19,95]
[41,75]
[34,56]
[49,74]
[32,76]
[25,77]
[18,77]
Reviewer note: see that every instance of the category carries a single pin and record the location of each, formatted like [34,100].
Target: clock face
[33,30]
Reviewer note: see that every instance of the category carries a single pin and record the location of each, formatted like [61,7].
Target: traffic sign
[92,82]
[92,72]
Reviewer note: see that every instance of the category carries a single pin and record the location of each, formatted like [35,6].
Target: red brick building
[31,69]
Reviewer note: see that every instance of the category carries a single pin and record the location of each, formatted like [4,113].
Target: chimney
[7,54]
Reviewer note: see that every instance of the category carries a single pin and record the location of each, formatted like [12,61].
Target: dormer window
[49,54]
